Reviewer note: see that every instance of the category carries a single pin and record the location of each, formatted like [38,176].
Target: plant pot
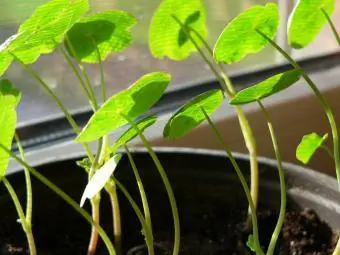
[211,203]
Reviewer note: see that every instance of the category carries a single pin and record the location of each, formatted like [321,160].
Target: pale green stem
[50,93]
[29,196]
[228,88]
[141,190]
[102,76]
[279,224]
[148,234]
[166,182]
[327,109]
[331,24]
[328,151]
[25,225]
[65,197]
[243,181]
[322,100]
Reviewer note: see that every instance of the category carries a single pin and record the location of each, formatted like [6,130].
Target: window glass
[122,69]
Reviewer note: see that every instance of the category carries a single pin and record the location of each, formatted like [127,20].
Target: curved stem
[148,234]
[29,196]
[26,227]
[65,197]
[141,190]
[102,76]
[331,24]
[228,88]
[243,181]
[166,182]
[279,224]
[323,101]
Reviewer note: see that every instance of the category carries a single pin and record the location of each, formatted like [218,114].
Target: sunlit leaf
[109,31]
[267,87]
[240,38]
[166,37]
[40,33]
[306,21]
[308,146]
[131,102]
[5,62]
[9,99]
[100,178]
[191,115]
[131,133]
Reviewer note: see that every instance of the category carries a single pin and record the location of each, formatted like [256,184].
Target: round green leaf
[306,21]
[308,146]
[41,33]
[108,31]
[131,133]
[191,115]
[9,99]
[240,38]
[132,102]
[166,37]
[267,87]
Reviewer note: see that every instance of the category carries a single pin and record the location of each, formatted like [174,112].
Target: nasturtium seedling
[131,102]
[167,38]
[308,146]
[306,21]
[100,178]
[9,100]
[240,37]
[108,31]
[267,87]
[47,27]
[131,133]
[191,115]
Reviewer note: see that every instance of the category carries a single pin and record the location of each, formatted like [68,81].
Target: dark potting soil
[207,231]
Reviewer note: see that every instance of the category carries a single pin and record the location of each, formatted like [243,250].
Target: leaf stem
[166,182]
[227,87]
[322,99]
[242,179]
[279,224]
[102,76]
[142,192]
[331,24]
[148,234]
[65,197]
[29,196]
[25,225]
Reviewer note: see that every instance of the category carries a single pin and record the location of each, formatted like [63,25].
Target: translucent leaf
[251,243]
[307,20]
[132,102]
[109,31]
[131,133]
[46,27]
[190,115]
[166,37]
[267,87]
[9,99]
[240,38]
[308,146]
[5,62]
[100,178]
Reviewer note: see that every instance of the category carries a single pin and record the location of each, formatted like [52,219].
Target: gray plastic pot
[202,177]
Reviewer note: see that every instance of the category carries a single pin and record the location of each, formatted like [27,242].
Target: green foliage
[85,163]
[166,37]
[41,33]
[100,178]
[9,100]
[307,20]
[191,115]
[108,31]
[251,243]
[267,87]
[131,102]
[131,133]
[308,146]
[240,38]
